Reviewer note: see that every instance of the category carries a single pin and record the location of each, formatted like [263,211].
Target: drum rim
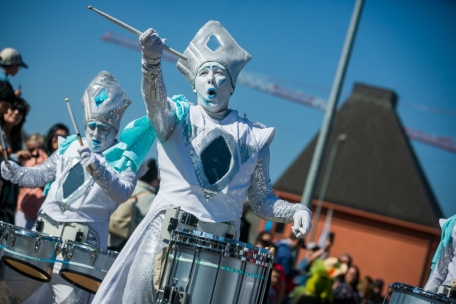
[5,261]
[36,234]
[62,272]
[95,249]
[420,291]
[213,237]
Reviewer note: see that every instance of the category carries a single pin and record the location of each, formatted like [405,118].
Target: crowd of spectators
[294,281]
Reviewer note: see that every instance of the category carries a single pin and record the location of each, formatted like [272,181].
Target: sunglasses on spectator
[21,110]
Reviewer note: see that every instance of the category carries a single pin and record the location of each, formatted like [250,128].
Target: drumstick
[134,31]
[89,168]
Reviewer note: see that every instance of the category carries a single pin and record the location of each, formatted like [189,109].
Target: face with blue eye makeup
[213,87]
[100,136]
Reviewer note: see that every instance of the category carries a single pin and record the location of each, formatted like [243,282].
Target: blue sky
[404,45]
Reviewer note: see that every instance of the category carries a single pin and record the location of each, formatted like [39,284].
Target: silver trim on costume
[160,109]
[228,53]
[261,196]
[64,203]
[195,155]
[104,100]
[39,176]
[190,131]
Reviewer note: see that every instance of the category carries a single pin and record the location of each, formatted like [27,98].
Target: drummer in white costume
[75,196]
[210,159]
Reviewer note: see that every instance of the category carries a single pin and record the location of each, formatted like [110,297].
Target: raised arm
[269,207]
[31,177]
[159,109]
[119,186]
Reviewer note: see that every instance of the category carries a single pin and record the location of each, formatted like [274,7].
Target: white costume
[209,162]
[443,269]
[74,195]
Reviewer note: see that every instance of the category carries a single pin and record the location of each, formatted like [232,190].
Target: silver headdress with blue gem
[104,100]
[228,52]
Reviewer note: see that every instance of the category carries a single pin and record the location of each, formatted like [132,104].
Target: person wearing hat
[79,203]
[10,62]
[210,159]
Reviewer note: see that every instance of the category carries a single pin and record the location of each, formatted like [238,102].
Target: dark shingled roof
[375,170]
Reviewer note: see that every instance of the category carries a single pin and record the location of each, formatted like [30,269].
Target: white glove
[88,158]
[302,223]
[9,170]
[151,44]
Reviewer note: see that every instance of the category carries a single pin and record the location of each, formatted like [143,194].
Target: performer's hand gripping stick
[89,168]
[135,31]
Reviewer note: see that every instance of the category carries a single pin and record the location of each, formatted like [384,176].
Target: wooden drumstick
[134,31]
[76,129]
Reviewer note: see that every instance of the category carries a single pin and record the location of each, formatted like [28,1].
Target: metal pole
[340,139]
[322,141]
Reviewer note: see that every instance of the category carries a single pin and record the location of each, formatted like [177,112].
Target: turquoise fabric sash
[137,138]
[445,239]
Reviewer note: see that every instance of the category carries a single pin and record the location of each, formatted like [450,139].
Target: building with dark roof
[385,213]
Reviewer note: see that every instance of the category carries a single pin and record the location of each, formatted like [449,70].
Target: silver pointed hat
[228,52]
[104,100]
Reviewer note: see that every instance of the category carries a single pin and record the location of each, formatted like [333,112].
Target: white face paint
[213,87]
[100,136]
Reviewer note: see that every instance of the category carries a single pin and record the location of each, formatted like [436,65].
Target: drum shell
[225,270]
[87,261]
[31,248]
[403,293]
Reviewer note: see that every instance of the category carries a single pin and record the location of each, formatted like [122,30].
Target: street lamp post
[332,156]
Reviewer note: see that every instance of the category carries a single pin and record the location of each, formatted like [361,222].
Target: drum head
[29,270]
[85,282]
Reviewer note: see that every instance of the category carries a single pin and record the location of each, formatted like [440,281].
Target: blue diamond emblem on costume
[102,96]
[74,180]
[215,161]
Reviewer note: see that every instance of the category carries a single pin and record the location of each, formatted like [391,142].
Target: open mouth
[211,93]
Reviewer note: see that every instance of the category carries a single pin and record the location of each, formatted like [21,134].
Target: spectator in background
[313,252]
[366,290]
[264,239]
[10,62]
[52,137]
[12,121]
[347,259]
[7,97]
[244,225]
[286,252]
[378,296]
[346,292]
[30,200]
[276,286]
[129,214]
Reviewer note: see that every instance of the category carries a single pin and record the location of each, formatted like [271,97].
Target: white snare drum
[203,268]
[30,253]
[85,266]
[403,293]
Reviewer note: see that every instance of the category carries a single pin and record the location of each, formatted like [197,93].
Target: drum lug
[37,245]
[69,251]
[93,259]
[58,249]
[12,239]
